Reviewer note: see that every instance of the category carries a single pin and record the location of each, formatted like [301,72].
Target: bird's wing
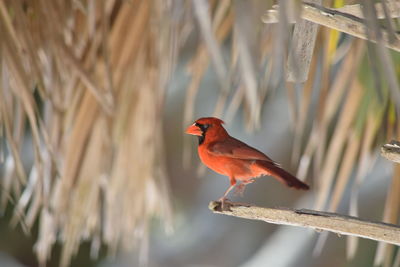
[234,148]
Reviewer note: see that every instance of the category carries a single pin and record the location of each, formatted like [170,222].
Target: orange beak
[194,130]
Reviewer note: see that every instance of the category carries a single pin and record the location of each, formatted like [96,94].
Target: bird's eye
[203,127]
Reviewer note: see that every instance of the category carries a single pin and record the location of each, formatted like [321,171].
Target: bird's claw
[225,204]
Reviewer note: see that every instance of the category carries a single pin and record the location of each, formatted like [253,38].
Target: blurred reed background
[94,97]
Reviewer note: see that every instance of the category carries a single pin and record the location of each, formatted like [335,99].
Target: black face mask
[203,128]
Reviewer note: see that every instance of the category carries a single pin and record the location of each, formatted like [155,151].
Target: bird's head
[209,126]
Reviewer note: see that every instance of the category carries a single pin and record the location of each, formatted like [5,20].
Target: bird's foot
[225,204]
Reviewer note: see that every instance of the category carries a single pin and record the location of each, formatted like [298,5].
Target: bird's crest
[210,120]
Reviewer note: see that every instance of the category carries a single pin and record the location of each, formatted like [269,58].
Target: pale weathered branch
[341,21]
[391,151]
[318,220]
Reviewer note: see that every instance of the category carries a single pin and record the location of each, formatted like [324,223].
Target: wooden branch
[391,151]
[318,220]
[340,21]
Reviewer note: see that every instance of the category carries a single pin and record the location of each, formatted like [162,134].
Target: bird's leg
[240,188]
[222,199]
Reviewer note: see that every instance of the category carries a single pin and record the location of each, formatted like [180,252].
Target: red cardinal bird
[230,157]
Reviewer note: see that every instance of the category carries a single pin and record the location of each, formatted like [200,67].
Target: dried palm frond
[100,73]
[350,117]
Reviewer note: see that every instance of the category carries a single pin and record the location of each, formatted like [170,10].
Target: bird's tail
[283,176]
